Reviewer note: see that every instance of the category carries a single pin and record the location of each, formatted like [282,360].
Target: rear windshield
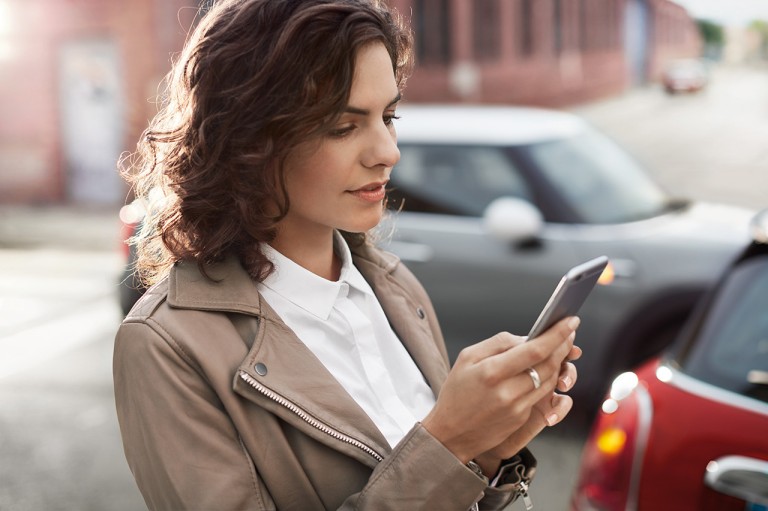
[731,348]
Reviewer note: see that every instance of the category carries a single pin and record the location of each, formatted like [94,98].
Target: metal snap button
[261,369]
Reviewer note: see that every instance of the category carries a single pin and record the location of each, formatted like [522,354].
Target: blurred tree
[714,38]
[711,32]
[760,27]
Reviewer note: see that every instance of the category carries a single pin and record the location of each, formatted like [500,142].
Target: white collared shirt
[343,324]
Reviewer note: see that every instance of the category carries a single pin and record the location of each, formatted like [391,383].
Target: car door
[719,369]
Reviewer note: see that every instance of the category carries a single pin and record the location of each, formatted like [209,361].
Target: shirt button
[261,369]
[420,312]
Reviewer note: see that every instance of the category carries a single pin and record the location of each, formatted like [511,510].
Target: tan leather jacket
[222,407]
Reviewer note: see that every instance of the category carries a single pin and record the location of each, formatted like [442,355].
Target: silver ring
[534,377]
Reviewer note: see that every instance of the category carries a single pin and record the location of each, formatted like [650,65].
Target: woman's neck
[313,253]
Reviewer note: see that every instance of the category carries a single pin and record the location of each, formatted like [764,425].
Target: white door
[91,116]
[636,39]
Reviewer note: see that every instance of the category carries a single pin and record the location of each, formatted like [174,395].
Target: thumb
[499,343]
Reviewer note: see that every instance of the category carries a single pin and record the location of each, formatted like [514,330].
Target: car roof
[484,124]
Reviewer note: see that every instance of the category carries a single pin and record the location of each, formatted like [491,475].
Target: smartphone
[569,295]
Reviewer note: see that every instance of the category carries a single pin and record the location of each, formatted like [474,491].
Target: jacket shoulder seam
[168,338]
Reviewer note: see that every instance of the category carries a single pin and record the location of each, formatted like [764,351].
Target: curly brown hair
[255,79]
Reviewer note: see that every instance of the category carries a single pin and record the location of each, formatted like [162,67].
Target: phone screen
[569,295]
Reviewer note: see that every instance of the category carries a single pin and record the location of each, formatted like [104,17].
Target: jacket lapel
[283,364]
[402,310]
[286,367]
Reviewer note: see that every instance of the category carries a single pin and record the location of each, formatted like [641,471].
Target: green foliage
[711,32]
[760,26]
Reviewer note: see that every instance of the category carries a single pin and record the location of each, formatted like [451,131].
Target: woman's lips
[371,193]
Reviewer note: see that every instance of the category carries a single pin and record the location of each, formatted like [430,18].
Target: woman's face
[338,182]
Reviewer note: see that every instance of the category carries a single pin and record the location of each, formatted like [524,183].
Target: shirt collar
[311,292]
[349,273]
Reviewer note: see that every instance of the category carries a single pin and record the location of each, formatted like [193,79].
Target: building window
[598,25]
[486,35]
[557,26]
[584,41]
[526,27]
[433,31]
[611,25]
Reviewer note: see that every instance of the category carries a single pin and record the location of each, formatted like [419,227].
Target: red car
[130,287]
[689,430]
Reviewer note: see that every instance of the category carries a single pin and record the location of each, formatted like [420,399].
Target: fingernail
[574,322]
[552,419]
[566,381]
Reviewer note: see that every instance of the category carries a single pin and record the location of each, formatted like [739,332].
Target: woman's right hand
[489,394]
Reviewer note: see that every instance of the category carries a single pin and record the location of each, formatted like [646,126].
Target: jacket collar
[232,289]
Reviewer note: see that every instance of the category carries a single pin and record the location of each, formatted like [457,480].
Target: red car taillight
[126,232]
[610,460]
[130,216]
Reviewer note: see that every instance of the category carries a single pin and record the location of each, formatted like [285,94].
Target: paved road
[59,442]
[708,146]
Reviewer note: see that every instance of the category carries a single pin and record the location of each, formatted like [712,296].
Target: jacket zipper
[338,435]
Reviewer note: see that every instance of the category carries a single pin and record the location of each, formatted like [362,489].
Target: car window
[731,348]
[453,180]
[600,182]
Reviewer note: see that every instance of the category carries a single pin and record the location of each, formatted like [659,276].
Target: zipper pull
[526,498]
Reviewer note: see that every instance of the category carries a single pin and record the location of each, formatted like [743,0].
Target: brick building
[76,82]
[542,52]
[78,77]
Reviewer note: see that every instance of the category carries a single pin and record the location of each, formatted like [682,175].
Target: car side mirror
[513,220]
[739,476]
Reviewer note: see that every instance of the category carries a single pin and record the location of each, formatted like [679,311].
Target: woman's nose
[382,149]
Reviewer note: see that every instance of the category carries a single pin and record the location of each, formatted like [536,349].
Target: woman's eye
[341,131]
[389,119]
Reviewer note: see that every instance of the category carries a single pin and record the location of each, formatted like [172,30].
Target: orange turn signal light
[611,441]
[608,275]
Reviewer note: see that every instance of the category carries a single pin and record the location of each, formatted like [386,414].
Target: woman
[280,361]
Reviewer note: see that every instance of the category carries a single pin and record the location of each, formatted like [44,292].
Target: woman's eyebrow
[363,111]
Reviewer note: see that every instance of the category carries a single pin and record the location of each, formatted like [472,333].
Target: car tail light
[126,232]
[611,458]
[130,216]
